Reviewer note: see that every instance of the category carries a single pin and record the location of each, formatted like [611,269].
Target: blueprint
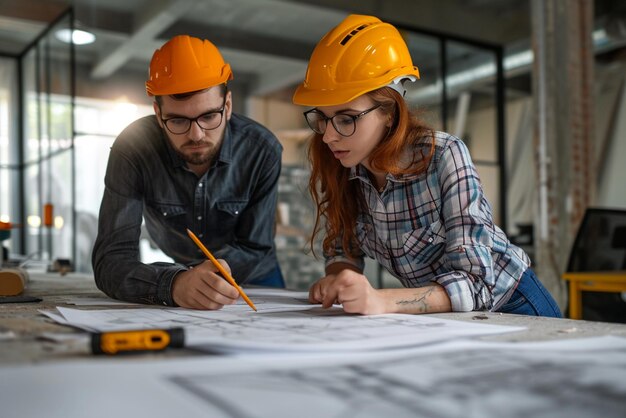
[462,378]
[285,321]
[549,380]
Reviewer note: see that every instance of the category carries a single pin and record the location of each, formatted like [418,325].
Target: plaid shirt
[437,227]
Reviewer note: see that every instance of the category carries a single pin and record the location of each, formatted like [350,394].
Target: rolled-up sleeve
[117,269]
[470,282]
[339,256]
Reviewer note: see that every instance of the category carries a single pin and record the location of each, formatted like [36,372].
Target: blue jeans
[531,298]
[273,279]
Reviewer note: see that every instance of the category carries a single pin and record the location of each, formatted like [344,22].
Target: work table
[23,327]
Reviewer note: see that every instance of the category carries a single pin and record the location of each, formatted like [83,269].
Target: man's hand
[350,289]
[202,287]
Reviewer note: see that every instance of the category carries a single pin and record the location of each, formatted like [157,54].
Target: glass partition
[98,122]
[9,161]
[459,92]
[47,145]
[426,93]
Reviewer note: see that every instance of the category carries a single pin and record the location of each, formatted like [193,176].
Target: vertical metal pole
[73,130]
[39,145]
[48,160]
[462,108]
[542,115]
[444,85]
[20,155]
[501,137]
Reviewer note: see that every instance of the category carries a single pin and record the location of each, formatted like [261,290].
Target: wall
[287,123]
[612,187]
[295,208]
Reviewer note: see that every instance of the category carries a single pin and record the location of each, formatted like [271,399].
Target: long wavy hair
[337,199]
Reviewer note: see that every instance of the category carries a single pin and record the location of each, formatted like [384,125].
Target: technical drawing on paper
[283,325]
[477,382]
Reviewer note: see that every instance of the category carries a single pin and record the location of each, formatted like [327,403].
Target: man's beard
[204,156]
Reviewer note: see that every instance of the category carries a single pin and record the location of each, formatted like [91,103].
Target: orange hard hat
[185,64]
[359,55]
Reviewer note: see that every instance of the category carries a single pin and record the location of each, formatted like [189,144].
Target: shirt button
[199,184]
[200,235]
[199,218]
[164,213]
[236,212]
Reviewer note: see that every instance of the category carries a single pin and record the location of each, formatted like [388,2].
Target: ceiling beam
[228,37]
[494,21]
[152,19]
[33,10]
[268,83]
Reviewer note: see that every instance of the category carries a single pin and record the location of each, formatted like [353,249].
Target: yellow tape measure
[140,340]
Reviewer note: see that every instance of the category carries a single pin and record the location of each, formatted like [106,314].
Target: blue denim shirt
[231,208]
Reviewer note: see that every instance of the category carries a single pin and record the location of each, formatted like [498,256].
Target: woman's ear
[389,122]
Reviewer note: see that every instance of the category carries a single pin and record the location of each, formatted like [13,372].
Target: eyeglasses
[345,125]
[207,121]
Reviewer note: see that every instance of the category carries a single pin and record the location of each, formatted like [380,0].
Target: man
[194,164]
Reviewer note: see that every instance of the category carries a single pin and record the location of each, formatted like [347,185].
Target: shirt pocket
[231,207]
[423,246]
[173,214]
[229,212]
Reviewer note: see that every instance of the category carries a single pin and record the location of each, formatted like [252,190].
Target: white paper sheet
[285,321]
[568,378]
[97,301]
[478,380]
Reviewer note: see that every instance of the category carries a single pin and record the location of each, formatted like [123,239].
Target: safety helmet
[185,64]
[359,55]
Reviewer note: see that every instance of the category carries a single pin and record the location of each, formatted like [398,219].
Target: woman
[389,187]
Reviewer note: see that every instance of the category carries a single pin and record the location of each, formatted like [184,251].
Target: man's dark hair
[185,96]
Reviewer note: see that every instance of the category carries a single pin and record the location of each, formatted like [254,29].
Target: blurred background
[535,88]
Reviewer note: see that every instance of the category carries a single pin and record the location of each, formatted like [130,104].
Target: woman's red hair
[336,198]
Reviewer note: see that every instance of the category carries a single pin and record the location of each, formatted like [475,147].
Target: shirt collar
[226,149]
[360,172]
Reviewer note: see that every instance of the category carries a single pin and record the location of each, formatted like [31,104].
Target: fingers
[217,290]
[350,289]
[330,295]
[320,289]
[211,276]
[198,300]
[203,288]
[225,265]
[324,291]
[315,293]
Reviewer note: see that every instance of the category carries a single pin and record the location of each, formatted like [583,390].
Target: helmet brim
[308,97]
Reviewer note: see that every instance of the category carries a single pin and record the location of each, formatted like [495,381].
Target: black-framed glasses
[344,124]
[207,121]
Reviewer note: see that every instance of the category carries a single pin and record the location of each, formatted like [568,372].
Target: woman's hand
[350,289]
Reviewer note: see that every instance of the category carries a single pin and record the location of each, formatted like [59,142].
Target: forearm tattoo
[420,301]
